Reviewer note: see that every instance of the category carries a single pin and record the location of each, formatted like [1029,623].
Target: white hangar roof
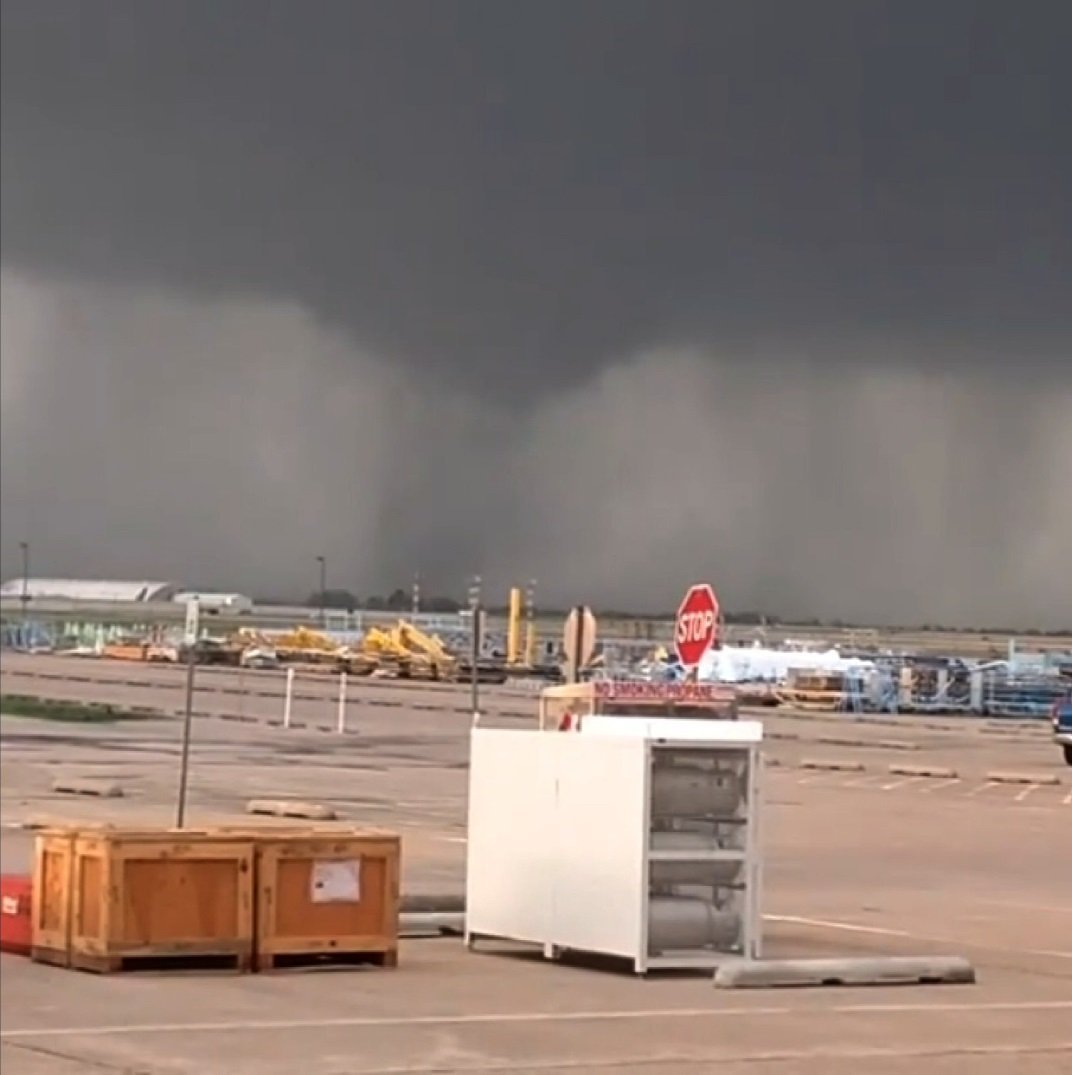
[89,590]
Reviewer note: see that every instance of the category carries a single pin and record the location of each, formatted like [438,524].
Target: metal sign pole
[474,659]
[187,724]
[192,630]
[577,645]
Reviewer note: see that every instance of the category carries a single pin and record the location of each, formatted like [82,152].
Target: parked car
[1062,724]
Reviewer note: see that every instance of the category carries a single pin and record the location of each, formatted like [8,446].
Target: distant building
[234,603]
[88,590]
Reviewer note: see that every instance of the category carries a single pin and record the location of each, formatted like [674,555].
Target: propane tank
[677,922]
[683,790]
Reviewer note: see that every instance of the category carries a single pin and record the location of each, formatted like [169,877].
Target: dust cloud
[147,433]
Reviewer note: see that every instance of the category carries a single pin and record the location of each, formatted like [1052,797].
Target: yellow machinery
[404,650]
[516,656]
[427,657]
[812,689]
[304,645]
[513,628]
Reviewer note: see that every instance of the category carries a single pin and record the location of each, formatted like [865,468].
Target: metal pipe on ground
[430,924]
[432,903]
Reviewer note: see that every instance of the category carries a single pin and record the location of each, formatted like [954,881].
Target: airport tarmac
[859,861]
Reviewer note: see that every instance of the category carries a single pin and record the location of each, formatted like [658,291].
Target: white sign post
[340,724]
[288,696]
[193,621]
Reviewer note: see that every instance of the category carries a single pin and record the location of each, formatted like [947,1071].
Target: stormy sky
[613,294]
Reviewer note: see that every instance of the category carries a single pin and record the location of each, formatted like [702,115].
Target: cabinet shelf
[697,855]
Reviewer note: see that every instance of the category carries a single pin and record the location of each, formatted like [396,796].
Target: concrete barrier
[833,765]
[101,789]
[936,772]
[1006,777]
[291,808]
[875,744]
[883,970]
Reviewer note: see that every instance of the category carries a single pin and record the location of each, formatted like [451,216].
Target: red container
[16,914]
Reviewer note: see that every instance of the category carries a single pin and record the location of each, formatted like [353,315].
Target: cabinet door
[600,833]
[511,813]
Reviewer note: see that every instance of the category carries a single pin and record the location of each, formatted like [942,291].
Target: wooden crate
[161,899]
[50,936]
[326,896]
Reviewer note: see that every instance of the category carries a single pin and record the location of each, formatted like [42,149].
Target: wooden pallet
[235,962]
[277,961]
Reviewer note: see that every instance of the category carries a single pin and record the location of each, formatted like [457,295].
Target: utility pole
[24,597]
[323,562]
[530,624]
[416,594]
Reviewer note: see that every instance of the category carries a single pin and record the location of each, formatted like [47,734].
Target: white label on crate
[336,882]
[11,905]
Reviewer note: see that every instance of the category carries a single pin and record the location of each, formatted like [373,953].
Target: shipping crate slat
[51,896]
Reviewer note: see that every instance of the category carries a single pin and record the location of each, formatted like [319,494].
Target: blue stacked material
[1007,695]
[28,635]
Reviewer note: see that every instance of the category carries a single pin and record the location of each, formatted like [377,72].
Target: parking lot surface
[860,861]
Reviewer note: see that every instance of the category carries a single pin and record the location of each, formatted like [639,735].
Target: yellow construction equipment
[403,650]
[513,628]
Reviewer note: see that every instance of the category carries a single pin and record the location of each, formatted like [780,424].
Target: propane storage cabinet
[629,837]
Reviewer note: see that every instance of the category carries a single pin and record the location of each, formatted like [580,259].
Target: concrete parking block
[833,765]
[1008,777]
[871,970]
[101,789]
[937,772]
[291,808]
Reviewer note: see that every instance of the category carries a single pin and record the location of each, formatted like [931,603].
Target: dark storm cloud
[426,273]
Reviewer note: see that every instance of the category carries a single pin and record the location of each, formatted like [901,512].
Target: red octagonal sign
[696,626]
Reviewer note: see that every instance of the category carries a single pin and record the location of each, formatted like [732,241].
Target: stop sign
[696,626]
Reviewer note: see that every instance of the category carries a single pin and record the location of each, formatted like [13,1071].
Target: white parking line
[493,1018]
[902,783]
[980,789]
[939,785]
[883,931]
[1067,800]
[865,781]
[1021,795]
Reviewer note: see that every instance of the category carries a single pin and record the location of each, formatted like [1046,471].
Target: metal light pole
[24,597]
[322,561]
[476,620]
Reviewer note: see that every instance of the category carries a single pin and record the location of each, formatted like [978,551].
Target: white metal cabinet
[617,840]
